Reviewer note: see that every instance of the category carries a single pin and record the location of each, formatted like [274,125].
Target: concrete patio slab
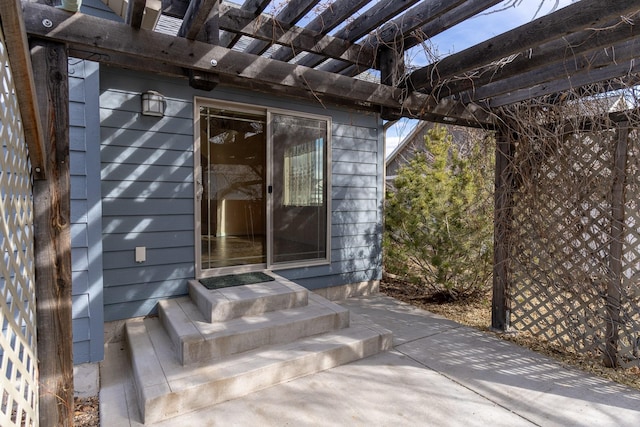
[438,374]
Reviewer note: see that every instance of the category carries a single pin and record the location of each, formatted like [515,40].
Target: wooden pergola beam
[196,16]
[570,68]
[151,48]
[78,32]
[472,115]
[288,16]
[269,29]
[331,17]
[15,37]
[459,14]
[574,81]
[256,7]
[576,17]
[370,20]
[201,22]
[392,33]
[573,48]
[436,26]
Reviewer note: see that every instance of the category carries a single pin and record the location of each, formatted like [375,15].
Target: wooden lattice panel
[18,361]
[561,240]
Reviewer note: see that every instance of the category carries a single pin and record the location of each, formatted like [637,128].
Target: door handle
[199,189]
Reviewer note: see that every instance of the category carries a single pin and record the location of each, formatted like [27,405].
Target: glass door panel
[232,205]
[299,189]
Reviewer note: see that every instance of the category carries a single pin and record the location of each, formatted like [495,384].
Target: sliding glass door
[262,188]
[299,203]
[231,188]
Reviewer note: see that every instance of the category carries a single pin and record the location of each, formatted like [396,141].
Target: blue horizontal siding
[363,157]
[147,191]
[144,207]
[354,181]
[353,193]
[138,138]
[148,173]
[158,239]
[86,238]
[147,196]
[155,256]
[150,223]
[148,273]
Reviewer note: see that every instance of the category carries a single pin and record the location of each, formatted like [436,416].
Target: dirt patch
[477,314]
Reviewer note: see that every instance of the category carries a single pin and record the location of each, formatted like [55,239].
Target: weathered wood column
[51,197]
[503,199]
[610,357]
[392,68]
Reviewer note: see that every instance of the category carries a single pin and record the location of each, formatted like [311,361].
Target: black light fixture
[153,103]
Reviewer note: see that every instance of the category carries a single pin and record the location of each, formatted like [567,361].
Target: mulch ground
[86,412]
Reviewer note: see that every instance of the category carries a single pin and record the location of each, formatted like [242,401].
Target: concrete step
[196,340]
[166,388]
[218,305]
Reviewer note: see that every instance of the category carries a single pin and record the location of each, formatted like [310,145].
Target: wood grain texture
[148,48]
[53,239]
[300,39]
[503,211]
[575,17]
[18,51]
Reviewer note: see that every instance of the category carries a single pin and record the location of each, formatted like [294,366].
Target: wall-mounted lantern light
[153,103]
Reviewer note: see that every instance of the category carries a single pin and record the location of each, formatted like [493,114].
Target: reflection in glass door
[232,187]
[299,205]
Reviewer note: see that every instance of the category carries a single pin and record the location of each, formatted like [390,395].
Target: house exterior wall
[408,149]
[147,192]
[86,211]
[463,137]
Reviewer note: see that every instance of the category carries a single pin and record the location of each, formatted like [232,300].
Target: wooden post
[503,199]
[51,199]
[18,50]
[615,250]
[392,68]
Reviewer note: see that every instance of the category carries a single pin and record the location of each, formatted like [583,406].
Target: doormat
[229,280]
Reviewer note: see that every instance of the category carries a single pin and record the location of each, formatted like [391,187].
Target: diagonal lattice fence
[574,241]
[18,361]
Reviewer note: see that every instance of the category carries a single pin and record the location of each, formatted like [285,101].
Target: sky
[469,33]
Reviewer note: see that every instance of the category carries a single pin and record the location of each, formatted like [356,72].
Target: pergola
[220,43]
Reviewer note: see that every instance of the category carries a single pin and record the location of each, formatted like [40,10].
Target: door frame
[269,176]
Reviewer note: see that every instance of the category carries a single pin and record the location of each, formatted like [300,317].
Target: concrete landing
[438,374]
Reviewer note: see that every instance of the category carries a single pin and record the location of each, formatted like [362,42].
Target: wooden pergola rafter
[318,54]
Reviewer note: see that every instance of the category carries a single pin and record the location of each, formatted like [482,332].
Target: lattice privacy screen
[18,362]
[563,264]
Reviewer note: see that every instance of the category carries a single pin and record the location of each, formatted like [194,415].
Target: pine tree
[439,219]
